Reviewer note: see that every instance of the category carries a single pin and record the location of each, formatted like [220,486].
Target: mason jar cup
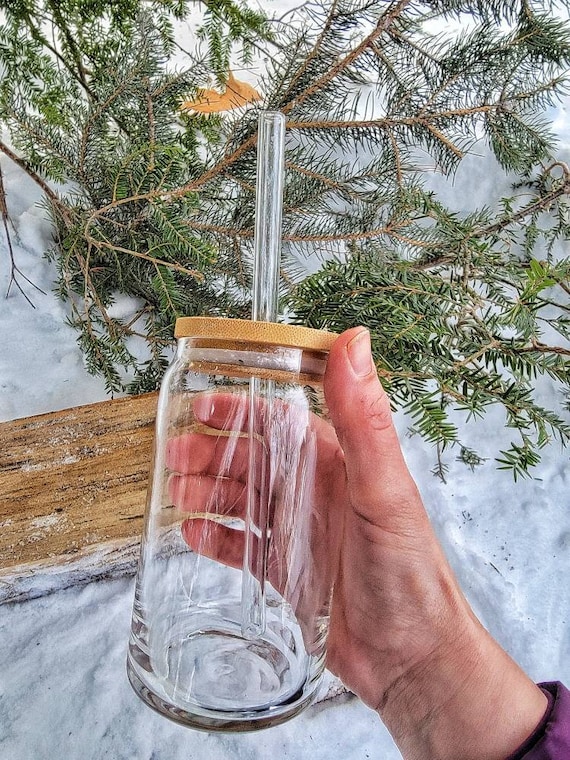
[240,541]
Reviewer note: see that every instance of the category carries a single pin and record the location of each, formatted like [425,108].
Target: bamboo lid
[246,330]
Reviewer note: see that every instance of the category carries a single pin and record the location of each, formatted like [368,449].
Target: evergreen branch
[144,256]
[542,348]
[30,172]
[234,232]
[384,23]
[101,108]
[39,37]
[341,237]
[315,50]
[48,192]
[179,192]
[151,125]
[458,153]
[69,38]
[38,138]
[481,351]
[165,289]
[312,174]
[397,158]
[409,42]
[216,229]
[536,206]
[393,122]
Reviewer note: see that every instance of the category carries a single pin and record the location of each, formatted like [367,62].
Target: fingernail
[359,354]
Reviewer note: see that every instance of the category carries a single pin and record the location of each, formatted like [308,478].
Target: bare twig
[15,270]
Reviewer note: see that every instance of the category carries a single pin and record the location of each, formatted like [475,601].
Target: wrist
[467,699]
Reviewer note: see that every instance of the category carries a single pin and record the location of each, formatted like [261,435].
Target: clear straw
[265,303]
[268,212]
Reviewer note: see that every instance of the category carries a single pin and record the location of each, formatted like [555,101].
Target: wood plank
[72,493]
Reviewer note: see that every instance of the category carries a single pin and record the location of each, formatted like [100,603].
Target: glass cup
[240,543]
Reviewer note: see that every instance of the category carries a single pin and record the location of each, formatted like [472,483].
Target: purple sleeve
[551,739]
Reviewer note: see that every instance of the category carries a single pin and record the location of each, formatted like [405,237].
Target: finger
[217,409]
[194,453]
[201,493]
[230,411]
[233,457]
[191,452]
[218,542]
[360,412]
[227,545]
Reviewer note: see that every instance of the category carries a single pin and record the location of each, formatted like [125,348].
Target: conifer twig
[15,270]
[34,176]
[384,23]
[536,206]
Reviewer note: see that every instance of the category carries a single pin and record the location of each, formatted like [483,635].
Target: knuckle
[378,412]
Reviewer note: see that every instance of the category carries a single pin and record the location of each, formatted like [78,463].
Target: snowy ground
[63,690]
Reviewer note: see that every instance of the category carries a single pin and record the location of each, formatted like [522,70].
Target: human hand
[402,635]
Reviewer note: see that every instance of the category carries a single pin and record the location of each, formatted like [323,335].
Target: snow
[41,368]
[65,694]
[63,689]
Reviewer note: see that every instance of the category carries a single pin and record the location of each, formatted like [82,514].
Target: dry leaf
[235,95]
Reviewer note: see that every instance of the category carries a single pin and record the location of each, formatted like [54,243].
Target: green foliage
[226,24]
[466,311]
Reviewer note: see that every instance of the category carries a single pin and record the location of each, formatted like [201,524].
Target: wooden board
[72,494]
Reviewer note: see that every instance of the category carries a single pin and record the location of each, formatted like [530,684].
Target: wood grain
[72,492]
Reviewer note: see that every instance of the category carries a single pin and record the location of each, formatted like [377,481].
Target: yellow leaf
[235,95]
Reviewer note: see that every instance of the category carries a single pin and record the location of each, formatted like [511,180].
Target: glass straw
[265,302]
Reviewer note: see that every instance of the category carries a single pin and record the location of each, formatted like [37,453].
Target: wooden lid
[246,330]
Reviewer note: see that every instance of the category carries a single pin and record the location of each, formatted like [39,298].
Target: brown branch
[536,206]
[71,43]
[247,234]
[32,174]
[391,122]
[178,192]
[414,45]
[312,55]
[379,53]
[101,107]
[383,24]
[161,278]
[338,238]
[442,138]
[542,348]
[78,75]
[138,254]
[397,158]
[333,184]
[473,357]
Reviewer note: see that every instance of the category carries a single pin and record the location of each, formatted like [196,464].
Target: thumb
[378,478]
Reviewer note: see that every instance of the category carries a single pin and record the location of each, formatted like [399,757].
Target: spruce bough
[465,310]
